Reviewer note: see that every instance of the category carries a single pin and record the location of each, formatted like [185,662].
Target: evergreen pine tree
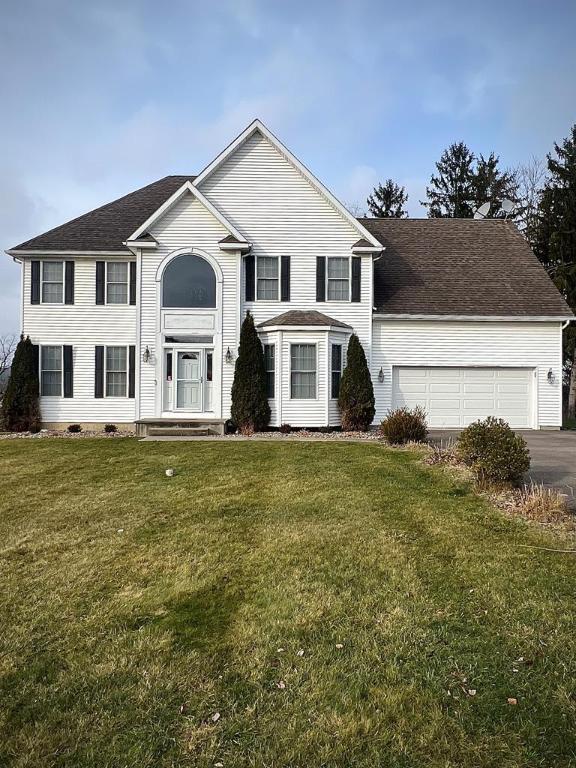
[387,201]
[491,185]
[555,240]
[250,408]
[356,398]
[451,191]
[20,405]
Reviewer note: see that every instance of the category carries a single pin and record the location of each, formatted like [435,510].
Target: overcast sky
[99,98]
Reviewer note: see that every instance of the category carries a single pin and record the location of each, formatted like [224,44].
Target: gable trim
[258,127]
[187,187]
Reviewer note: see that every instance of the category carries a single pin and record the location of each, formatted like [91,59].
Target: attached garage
[455,397]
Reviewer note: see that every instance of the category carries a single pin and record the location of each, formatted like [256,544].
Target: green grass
[569,423]
[133,607]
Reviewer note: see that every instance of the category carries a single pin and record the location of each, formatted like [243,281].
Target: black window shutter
[35,282]
[100,283]
[131,370]
[356,277]
[99,372]
[132,282]
[68,282]
[285,278]
[320,278]
[68,371]
[249,276]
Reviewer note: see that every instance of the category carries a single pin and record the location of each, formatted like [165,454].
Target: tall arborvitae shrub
[356,398]
[20,406]
[250,409]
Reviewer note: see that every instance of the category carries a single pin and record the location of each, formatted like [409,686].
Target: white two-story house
[136,307]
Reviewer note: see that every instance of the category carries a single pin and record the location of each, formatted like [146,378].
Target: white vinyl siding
[338,279]
[82,326]
[52,278]
[267,278]
[471,344]
[117,279]
[303,371]
[116,372]
[51,371]
[281,213]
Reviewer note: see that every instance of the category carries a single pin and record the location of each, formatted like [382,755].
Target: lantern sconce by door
[146,356]
[381,375]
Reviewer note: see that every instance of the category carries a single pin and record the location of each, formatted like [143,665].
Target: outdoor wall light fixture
[146,355]
[228,356]
[381,376]
[551,377]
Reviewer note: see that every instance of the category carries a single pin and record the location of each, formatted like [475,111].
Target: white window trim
[307,344]
[328,279]
[269,279]
[53,282]
[273,371]
[41,369]
[332,345]
[117,303]
[127,371]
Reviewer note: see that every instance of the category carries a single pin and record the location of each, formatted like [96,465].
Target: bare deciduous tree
[531,177]
[7,346]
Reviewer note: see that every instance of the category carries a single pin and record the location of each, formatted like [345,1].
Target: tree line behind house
[544,197]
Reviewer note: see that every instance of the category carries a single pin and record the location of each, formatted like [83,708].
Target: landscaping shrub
[356,398]
[494,452]
[250,408]
[405,426]
[20,405]
[110,428]
[74,428]
[285,429]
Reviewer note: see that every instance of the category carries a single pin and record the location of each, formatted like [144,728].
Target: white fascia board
[242,247]
[187,187]
[307,328]
[258,125]
[365,249]
[477,318]
[62,254]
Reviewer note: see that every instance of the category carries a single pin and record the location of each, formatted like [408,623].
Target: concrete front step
[179,431]
[182,427]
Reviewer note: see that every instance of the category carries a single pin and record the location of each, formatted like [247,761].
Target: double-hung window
[338,278]
[336,369]
[267,282]
[270,368]
[303,371]
[52,282]
[117,280]
[51,371]
[116,372]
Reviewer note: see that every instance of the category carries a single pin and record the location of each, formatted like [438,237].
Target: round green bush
[494,452]
[405,426]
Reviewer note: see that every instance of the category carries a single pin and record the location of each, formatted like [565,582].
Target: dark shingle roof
[106,228]
[299,317]
[459,267]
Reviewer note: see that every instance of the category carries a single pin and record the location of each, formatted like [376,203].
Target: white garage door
[455,397]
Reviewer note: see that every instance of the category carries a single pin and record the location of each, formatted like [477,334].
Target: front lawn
[273,604]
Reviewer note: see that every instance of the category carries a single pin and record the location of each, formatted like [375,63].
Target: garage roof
[459,267]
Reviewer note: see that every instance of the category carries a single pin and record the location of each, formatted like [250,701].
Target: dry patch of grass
[281,605]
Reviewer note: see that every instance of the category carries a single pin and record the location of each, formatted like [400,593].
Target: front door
[189,381]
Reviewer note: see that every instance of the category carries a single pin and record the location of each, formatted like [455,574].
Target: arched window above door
[189,282]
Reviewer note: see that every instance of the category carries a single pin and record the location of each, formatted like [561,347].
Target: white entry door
[455,397]
[189,381]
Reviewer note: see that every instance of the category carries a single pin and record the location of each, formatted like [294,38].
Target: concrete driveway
[552,454]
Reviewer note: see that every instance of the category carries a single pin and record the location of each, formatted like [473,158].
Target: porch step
[174,427]
[179,431]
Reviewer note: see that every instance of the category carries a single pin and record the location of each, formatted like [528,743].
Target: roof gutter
[477,318]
